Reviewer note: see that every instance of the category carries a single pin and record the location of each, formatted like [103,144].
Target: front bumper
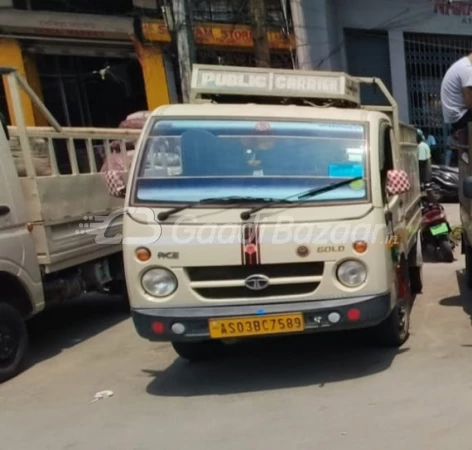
[372,311]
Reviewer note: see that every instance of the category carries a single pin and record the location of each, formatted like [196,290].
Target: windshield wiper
[231,200]
[246,215]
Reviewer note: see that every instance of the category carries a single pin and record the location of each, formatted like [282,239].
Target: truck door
[394,211]
[17,250]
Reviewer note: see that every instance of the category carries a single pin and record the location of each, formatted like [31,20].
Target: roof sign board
[273,83]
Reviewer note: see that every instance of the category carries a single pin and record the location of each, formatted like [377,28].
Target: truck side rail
[74,140]
[71,151]
[59,169]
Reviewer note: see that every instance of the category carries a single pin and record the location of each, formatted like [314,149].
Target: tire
[415,267]
[395,330]
[199,351]
[468,265]
[13,342]
[447,253]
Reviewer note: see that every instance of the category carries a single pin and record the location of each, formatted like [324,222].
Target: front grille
[213,273]
[243,292]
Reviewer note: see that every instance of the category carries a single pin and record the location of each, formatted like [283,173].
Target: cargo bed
[59,170]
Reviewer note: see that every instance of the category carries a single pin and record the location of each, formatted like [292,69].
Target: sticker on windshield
[350,170]
[357,185]
[355,154]
[262,126]
[354,158]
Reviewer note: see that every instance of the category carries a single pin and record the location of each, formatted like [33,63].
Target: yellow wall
[33,80]
[154,74]
[11,56]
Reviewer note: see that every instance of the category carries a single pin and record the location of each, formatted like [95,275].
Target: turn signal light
[360,246]
[143,254]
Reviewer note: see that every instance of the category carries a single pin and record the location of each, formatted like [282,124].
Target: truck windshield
[190,160]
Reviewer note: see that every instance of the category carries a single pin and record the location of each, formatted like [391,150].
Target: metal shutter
[368,55]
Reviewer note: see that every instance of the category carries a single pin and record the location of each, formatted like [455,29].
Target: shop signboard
[66,25]
[461,9]
[217,35]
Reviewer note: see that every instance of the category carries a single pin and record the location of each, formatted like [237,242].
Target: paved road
[329,392]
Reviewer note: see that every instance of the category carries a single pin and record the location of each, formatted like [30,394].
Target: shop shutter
[368,55]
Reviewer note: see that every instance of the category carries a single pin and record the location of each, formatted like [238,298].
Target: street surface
[325,392]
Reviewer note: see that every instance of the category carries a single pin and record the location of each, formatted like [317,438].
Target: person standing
[424,157]
[431,141]
[456,95]
[452,149]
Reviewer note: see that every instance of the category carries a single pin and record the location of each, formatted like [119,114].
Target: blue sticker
[346,170]
[260,312]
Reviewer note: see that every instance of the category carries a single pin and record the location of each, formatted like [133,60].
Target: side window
[386,158]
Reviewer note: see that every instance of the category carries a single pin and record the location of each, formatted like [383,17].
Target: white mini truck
[46,255]
[289,207]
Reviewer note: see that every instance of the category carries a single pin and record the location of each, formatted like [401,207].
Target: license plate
[255,326]
[439,229]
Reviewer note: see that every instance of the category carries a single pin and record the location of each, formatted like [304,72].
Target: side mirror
[467,187]
[398,182]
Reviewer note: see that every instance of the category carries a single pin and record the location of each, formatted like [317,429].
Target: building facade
[95,62]
[409,44]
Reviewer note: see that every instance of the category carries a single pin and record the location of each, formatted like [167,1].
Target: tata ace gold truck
[289,208]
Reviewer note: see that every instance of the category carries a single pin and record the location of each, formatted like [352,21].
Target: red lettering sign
[223,35]
[456,8]
[203,33]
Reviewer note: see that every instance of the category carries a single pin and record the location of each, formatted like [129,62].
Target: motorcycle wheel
[447,253]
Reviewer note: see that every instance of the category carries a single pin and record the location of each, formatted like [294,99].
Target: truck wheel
[415,267]
[468,265]
[198,351]
[13,342]
[394,331]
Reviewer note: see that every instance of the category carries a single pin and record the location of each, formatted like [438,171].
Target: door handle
[4,210]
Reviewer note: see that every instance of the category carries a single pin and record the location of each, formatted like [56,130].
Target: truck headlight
[351,273]
[159,282]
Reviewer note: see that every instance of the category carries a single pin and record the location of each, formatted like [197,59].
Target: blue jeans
[449,154]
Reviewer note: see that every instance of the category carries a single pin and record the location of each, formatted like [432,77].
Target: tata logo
[257,282]
[170,255]
[331,249]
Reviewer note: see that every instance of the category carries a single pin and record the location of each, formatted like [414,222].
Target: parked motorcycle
[436,231]
[445,183]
